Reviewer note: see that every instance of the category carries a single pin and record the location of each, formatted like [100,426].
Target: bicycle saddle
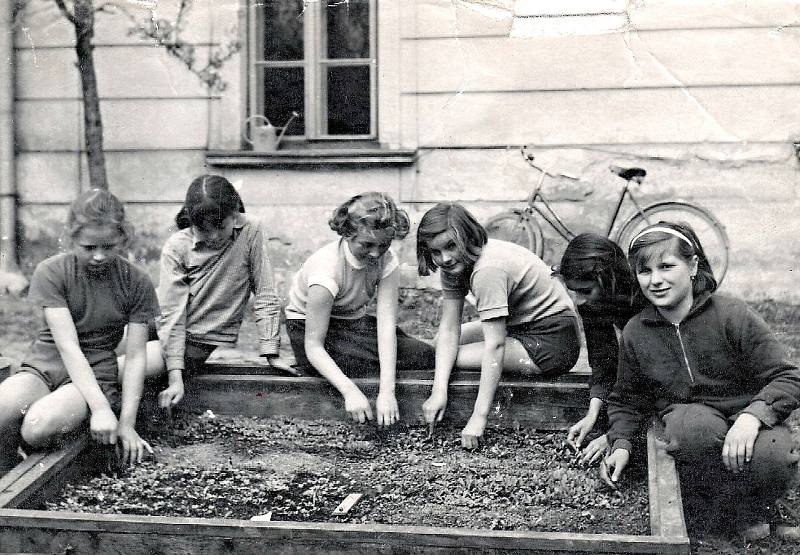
[629,173]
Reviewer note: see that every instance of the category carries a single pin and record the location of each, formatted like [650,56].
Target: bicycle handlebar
[628,174]
[529,158]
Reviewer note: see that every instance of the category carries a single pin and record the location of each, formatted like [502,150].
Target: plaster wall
[701,94]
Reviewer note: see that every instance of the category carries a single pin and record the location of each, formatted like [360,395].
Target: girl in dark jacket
[715,375]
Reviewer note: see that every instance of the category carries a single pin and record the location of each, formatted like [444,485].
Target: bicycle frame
[523,227]
[552,218]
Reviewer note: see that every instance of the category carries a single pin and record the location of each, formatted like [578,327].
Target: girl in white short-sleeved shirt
[327,319]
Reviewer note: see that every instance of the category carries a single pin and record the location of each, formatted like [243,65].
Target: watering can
[262,135]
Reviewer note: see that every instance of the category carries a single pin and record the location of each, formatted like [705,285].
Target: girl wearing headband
[709,367]
[603,287]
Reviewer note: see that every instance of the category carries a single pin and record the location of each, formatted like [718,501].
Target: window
[316,58]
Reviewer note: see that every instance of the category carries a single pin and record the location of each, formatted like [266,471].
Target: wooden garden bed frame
[540,404]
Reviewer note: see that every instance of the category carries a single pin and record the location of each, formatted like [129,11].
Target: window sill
[311,157]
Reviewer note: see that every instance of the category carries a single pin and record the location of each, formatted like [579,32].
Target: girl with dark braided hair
[597,273]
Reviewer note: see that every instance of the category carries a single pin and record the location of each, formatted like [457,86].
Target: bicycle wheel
[709,230]
[516,226]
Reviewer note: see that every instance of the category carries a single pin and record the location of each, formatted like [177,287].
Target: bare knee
[41,426]
[17,394]
[11,416]
[39,429]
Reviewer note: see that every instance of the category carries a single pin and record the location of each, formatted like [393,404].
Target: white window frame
[314,64]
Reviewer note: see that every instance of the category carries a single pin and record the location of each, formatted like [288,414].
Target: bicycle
[520,226]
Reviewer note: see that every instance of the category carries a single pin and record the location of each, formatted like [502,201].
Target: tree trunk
[84,33]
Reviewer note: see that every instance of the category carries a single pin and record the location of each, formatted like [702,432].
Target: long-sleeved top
[722,355]
[600,324]
[203,291]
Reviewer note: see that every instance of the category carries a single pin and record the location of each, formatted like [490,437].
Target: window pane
[283,29]
[348,100]
[284,91]
[348,29]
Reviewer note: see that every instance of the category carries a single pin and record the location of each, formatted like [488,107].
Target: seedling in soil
[111,463]
[301,470]
[605,476]
[170,426]
[380,435]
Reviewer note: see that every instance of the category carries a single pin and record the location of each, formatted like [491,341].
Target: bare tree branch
[64,10]
[168,35]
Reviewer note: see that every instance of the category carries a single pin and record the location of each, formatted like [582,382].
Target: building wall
[701,94]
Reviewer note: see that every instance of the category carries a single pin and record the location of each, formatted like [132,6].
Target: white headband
[667,230]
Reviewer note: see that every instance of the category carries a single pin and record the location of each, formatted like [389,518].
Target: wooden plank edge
[542,405]
[20,469]
[312,381]
[37,472]
[666,505]
[389,535]
[263,369]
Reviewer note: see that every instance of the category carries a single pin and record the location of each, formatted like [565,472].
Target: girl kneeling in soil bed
[527,325]
[603,286]
[326,317]
[713,372]
[70,374]
[209,269]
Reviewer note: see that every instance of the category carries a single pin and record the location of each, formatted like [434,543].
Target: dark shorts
[109,388]
[195,355]
[353,345]
[553,342]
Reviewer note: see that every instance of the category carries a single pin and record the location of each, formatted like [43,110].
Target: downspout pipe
[11,278]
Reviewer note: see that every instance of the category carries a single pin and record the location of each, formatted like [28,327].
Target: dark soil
[300,470]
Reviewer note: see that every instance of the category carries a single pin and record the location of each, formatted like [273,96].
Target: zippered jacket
[722,355]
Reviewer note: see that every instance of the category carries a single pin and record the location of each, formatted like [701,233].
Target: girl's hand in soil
[133,446]
[103,426]
[386,409]
[612,466]
[595,450]
[433,407]
[472,434]
[172,395]
[357,406]
[578,432]
[738,447]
